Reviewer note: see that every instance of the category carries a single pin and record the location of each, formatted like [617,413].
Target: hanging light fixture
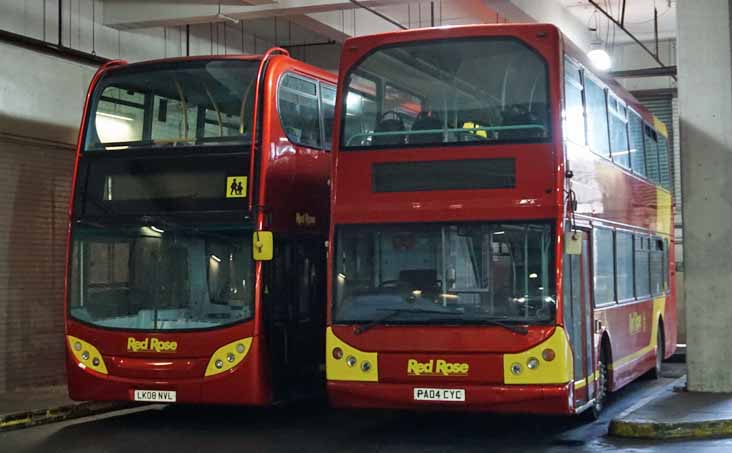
[223,16]
[599,57]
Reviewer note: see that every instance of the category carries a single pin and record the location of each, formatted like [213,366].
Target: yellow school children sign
[236,187]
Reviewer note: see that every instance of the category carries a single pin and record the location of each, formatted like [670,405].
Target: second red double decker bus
[186,169]
[500,230]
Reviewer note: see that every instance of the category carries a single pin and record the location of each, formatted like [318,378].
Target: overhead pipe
[644,72]
[51,49]
[632,36]
[310,44]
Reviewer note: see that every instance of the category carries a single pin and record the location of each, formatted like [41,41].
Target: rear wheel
[655,372]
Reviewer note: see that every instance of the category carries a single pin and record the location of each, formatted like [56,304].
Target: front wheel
[602,390]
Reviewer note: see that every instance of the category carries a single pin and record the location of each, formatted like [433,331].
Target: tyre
[594,412]
[655,372]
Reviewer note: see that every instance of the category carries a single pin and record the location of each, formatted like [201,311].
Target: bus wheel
[655,372]
[594,412]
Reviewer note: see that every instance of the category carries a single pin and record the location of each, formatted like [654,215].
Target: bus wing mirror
[573,243]
[262,246]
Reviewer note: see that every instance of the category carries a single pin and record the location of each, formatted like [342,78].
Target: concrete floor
[305,428]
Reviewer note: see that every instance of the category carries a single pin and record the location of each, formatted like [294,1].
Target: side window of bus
[604,266]
[361,110]
[624,264]
[574,126]
[666,261]
[597,118]
[642,282]
[663,166]
[651,145]
[298,106]
[637,153]
[618,131]
[327,104]
[657,266]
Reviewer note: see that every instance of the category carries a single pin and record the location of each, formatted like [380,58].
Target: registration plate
[426,394]
[158,396]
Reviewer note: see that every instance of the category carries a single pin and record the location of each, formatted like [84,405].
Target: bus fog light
[219,363]
[351,361]
[230,357]
[516,368]
[77,346]
[532,363]
[240,348]
[337,353]
[365,366]
[95,362]
[85,355]
[548,355]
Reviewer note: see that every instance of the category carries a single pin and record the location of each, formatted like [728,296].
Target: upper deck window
[477,90]
[175,103]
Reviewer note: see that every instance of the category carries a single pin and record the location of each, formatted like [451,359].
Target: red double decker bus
[500,230]
[176,290]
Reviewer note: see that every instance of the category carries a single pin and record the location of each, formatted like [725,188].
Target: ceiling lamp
[599,57]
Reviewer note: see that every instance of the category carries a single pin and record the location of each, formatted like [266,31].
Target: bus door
[578,319]
[294,320]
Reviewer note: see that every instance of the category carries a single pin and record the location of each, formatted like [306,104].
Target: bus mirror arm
[262,246]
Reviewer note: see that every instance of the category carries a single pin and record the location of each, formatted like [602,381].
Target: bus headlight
[87,356]
[532,363]
[228,356]
[351,361]
[516,368]
[365,366]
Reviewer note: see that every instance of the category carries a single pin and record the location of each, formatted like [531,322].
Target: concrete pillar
[705,106]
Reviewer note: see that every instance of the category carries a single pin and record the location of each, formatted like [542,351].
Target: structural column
[705,107]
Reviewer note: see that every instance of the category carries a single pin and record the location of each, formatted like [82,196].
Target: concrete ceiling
[320,20]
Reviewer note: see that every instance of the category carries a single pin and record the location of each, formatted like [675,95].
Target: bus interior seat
[389,125]
[426,120]
[522,115]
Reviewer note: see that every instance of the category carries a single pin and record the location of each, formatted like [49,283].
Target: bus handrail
[455,129]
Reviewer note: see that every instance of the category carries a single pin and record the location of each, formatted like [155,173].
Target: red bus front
[165,301]
[446,220]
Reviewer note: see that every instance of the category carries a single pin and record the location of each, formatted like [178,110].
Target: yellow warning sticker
[236,187]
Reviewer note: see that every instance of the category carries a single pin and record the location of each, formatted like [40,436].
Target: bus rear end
[446,216]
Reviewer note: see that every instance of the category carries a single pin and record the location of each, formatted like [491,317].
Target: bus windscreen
[447,92]
[172,104]
[444,273]
[161,276]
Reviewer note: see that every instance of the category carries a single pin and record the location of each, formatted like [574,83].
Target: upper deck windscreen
[172,104]
[451,91]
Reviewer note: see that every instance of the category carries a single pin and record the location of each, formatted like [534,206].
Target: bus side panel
[296,185]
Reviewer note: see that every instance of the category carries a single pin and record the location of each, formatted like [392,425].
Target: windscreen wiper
[397,311]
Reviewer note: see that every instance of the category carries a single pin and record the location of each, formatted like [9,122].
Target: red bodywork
[291,178]
[605,193]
